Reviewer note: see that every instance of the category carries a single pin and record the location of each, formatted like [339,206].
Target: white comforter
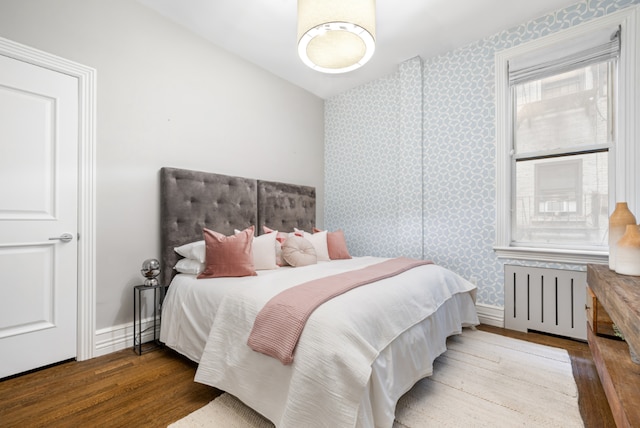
[357,355]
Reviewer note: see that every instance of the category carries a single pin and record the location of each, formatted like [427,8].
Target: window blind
[571,55]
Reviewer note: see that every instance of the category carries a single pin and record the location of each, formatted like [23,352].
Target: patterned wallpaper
[398,187]
[373,148]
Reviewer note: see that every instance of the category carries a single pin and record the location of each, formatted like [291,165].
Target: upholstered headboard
[284,206]
[193,200]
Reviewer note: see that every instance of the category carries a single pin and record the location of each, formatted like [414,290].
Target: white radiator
[545,300]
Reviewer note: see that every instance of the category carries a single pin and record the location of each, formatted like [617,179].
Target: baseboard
[490,315]
[117,338]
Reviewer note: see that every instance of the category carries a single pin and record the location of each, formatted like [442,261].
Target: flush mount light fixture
[336,36]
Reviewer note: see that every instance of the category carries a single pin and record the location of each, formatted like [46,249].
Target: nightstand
[153,342]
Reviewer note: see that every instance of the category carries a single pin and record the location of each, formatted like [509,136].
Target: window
[565,130]
[562,131]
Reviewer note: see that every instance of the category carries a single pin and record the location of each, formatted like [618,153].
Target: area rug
[482,380]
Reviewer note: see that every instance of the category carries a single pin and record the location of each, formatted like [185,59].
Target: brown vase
[628,252]
[618,221]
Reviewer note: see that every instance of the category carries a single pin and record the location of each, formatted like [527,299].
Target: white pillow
[298,251]
[319,242]
[189,266]
[194,251]
[264,251]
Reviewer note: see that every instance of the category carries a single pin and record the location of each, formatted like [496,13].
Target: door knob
[65,237]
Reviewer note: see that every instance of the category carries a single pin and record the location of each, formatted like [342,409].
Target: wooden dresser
[614,298]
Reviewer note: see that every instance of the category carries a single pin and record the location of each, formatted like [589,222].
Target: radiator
[545,300]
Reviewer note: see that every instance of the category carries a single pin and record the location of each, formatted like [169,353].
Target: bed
[357,354]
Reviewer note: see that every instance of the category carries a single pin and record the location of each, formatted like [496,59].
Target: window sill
[552,255]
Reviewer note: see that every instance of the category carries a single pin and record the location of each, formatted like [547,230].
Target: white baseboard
[490,315]
[119,337]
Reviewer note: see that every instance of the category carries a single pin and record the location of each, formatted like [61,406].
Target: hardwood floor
[118,390]
[153,390]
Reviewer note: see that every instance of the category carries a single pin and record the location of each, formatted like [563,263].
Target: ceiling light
[336,36]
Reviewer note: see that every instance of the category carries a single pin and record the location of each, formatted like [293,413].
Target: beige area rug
[482,380]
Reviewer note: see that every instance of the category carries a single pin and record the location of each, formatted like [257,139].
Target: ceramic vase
[628,252]
[618,222]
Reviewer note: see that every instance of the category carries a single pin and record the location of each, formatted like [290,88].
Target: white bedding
[357,354]
[189,309]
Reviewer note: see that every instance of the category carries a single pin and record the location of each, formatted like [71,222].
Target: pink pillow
[228,255]
[336,244]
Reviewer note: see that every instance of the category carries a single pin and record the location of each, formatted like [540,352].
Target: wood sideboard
[617,300]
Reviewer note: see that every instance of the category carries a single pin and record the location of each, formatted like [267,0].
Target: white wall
[166,98]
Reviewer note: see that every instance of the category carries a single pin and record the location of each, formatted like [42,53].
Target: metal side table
[140,346]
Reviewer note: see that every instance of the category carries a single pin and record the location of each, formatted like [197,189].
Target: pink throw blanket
[279,324]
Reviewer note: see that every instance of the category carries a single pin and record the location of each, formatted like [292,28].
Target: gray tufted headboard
[193,200]
[284,206]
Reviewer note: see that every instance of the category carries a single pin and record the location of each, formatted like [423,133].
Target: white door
[38,204]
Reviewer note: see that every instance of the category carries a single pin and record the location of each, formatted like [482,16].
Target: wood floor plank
[153,390]
[120,389]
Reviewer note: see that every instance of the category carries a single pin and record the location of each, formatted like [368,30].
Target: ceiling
[264,32]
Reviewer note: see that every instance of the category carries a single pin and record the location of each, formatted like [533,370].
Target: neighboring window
[558,188]
[563,128]
[566,134]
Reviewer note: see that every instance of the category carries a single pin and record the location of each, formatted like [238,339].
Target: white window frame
[624,180]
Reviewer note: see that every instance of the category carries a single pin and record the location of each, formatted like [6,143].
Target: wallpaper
[373,167]
[379,142]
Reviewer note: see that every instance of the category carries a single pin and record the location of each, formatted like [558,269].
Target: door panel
[27,154]
[38,201]
[31,307]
